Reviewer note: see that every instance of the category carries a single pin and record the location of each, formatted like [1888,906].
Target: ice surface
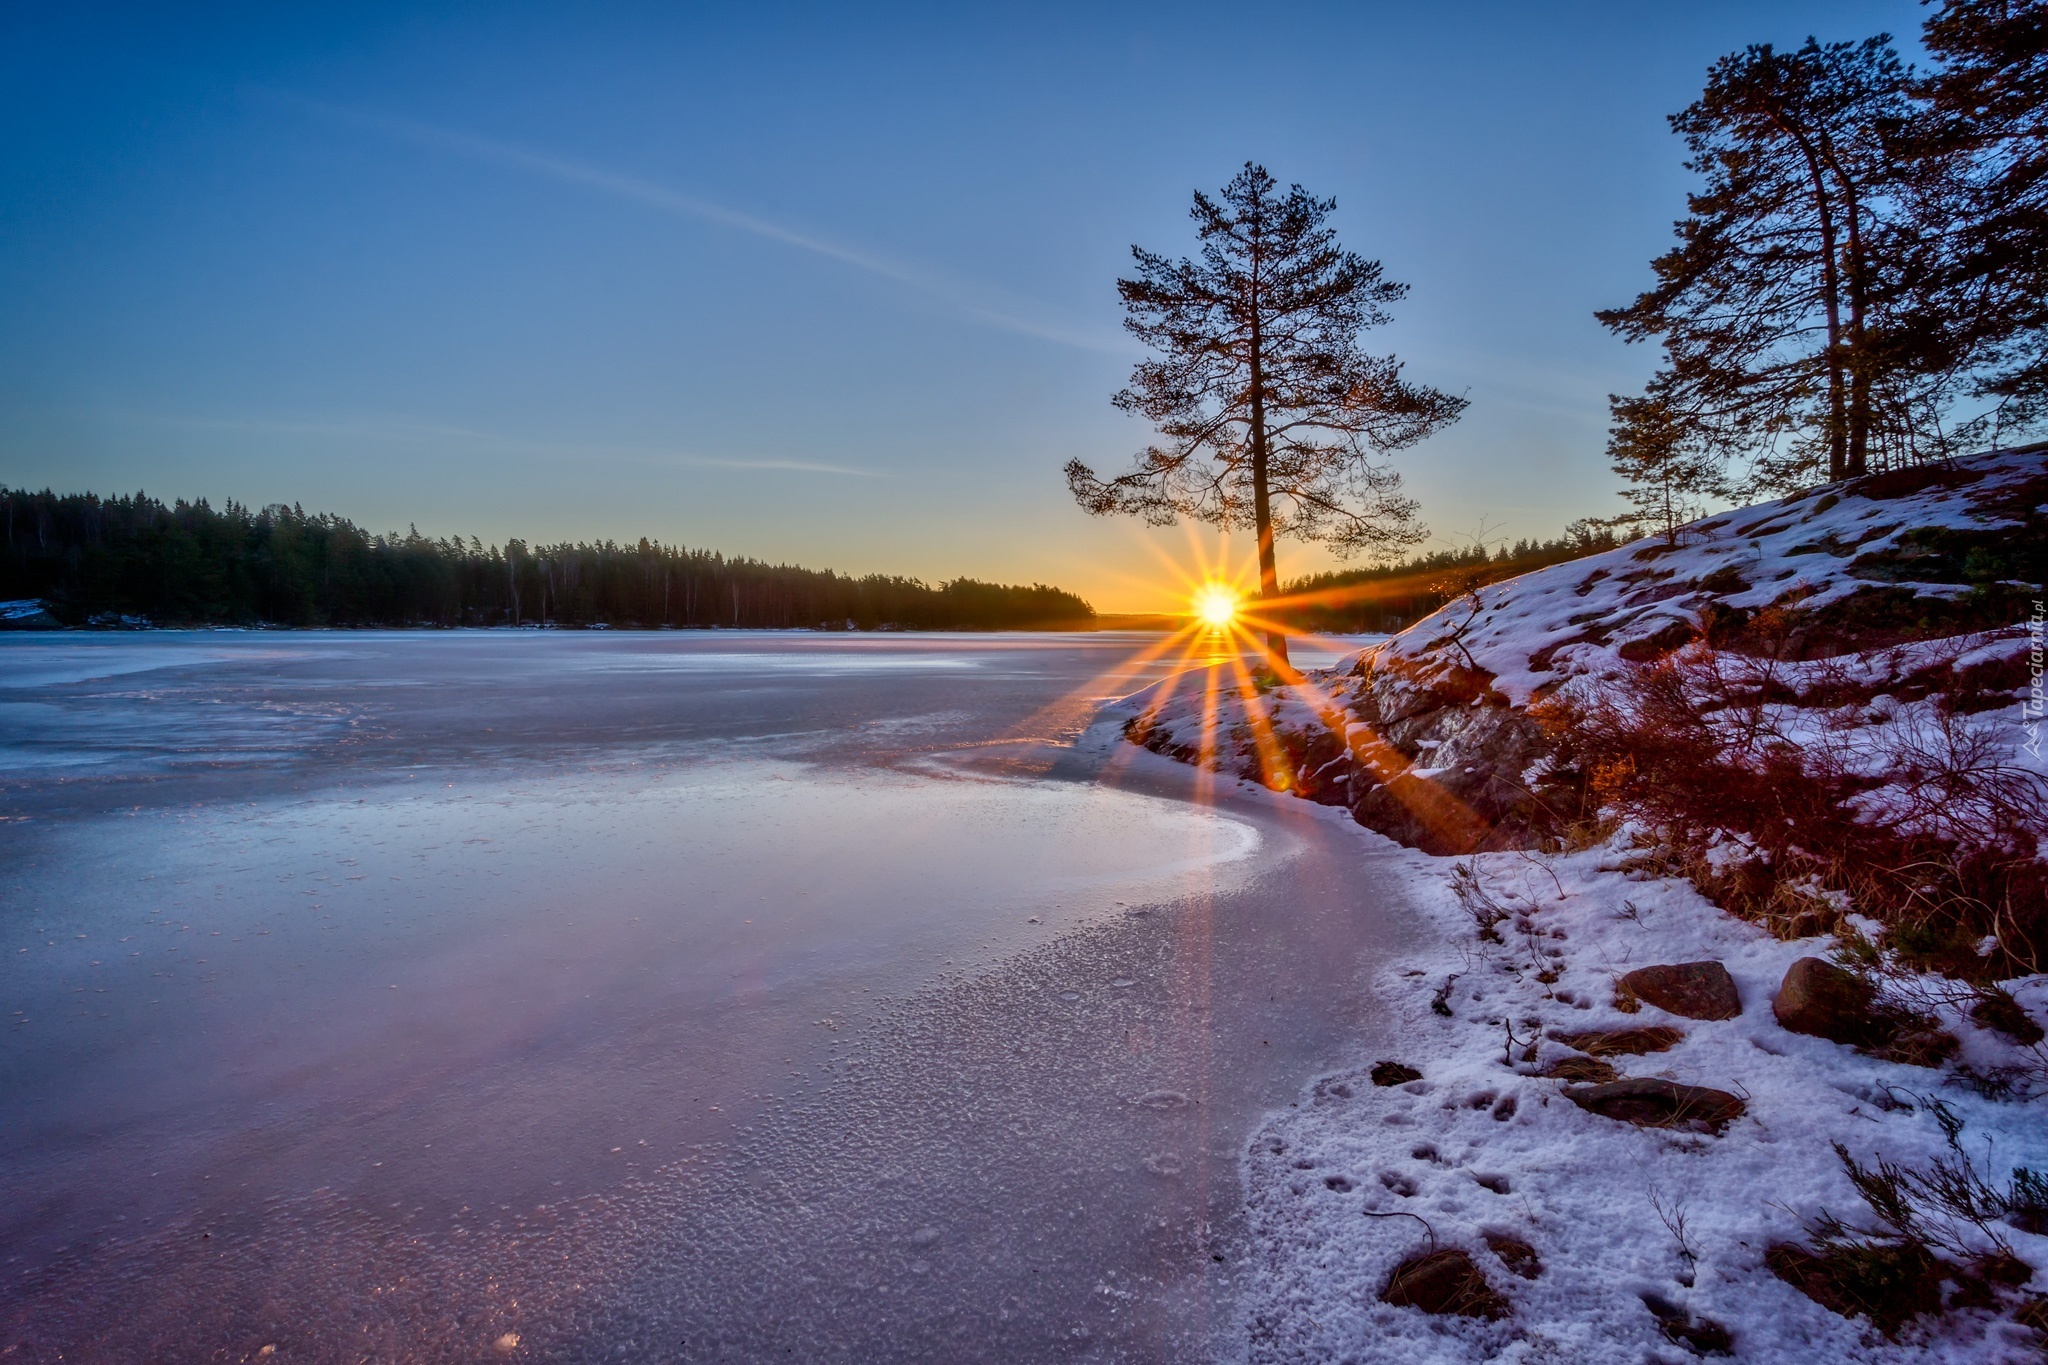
[838,999]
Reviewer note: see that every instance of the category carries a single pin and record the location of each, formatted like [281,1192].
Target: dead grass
[1943,1223]
[1785,799]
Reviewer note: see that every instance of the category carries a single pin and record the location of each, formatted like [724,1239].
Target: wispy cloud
[969,298]
[388,429]
[802,466]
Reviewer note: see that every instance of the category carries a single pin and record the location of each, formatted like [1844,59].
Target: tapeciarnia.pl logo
[2031,708]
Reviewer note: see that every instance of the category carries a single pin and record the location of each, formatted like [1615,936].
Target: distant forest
[92,559]
[1392,596]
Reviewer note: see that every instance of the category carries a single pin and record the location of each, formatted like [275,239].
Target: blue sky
[827,286]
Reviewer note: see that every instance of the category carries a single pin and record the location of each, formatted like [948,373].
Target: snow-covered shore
[1603,1178]
[1636,1229]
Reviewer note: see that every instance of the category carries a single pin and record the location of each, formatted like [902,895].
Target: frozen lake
[681,996]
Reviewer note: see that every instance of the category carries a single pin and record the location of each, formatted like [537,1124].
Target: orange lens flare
[1215,606]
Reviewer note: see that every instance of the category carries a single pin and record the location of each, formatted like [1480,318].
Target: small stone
[1443,1282]
[1696,990]
[1394,1073]
[1581,1071]
[1616,1042]
[1516,1254]
[1650,1102]
[1821,1000]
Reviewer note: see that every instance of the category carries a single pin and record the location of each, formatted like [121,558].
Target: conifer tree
[1671,475]
[1273,416]
[1983,170]
[1773,309]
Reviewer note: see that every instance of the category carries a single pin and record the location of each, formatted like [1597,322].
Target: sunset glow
[1215,605]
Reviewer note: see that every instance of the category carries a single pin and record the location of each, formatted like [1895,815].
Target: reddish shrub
[1767,800]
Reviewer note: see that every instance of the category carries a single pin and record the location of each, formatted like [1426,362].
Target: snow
[1806,547]
[1355,1178]
[1482,1145]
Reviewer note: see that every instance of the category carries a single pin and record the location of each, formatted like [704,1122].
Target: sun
[1215,605]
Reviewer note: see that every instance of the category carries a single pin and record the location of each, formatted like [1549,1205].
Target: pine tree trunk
[1262,504]
[1831,298]
[1262,514]
[1831,287]
[1855,276]
[1858,461]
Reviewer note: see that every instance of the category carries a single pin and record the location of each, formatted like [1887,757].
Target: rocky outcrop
[27,614]
[1696,990]
[1465,732]
[1430,756]
[1441,762]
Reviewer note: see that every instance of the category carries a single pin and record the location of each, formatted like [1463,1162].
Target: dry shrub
[1942,1222]
[1779,793]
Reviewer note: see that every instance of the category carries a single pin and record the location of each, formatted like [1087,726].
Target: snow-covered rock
[1855,613]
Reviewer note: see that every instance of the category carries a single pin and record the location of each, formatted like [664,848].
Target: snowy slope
[1812,553]
[1853,605]
[1878,632]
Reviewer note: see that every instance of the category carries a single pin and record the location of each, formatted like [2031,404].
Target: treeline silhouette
[88,557]
[1389,597]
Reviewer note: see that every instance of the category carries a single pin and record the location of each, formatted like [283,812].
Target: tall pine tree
[1273,416]
[1773,308]
[1983,167]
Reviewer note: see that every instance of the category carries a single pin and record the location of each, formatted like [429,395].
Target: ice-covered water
[634,996]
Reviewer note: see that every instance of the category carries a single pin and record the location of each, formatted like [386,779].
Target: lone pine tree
[1272,414]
